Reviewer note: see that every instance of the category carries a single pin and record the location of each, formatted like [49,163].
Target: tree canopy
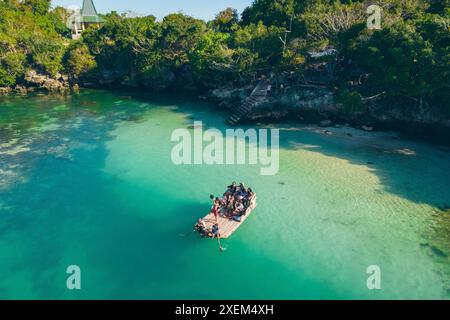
[408,59]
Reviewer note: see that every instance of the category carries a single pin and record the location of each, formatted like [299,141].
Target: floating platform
[228,226]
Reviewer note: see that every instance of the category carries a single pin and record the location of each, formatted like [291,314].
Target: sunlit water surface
[88,180]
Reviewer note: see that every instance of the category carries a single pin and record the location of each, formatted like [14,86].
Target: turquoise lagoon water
[88,180]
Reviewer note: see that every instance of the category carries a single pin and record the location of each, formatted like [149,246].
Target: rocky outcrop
[229,97]
[413,115]
[316,104]
[280,103]
[325,123]
[34,81]
[22,89]
[5,90]
[59,82]
[17,89]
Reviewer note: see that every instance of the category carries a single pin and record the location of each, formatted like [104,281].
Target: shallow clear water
[88,180]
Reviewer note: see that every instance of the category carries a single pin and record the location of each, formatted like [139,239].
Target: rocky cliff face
[281,103]
[58,83]
[288,100]
[318,105]
[34,81]
[229,97]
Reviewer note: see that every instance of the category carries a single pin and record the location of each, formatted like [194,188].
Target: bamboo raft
[228,226]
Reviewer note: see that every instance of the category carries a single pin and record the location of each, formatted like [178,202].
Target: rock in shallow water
[367,128]
[325,123]
[438,252]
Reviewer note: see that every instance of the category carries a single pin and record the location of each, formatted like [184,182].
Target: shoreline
[429,134]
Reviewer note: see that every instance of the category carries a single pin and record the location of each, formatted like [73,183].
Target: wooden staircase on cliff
[257,96]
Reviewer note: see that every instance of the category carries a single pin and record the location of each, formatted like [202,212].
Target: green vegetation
[406,62]
[29,38]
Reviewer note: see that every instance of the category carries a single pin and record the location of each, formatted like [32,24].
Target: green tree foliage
[226,20]
[121,45]
[351,100]
[58,18]
[324,22]
[261,40]
[141,50]
[408,60]
[210,47]
[179,37]
[79,61]
[40,7]
[28,40]
[269,12]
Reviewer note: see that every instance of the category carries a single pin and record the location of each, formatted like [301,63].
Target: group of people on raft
[233,205]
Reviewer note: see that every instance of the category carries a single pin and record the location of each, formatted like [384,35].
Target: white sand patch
[384,141]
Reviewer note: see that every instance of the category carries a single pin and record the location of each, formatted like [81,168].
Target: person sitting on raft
[242,191]
[248,198]
[231,189]
[238,208]
[200,227]
[221,202]
[215,231]
[235,197]
[230,205]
